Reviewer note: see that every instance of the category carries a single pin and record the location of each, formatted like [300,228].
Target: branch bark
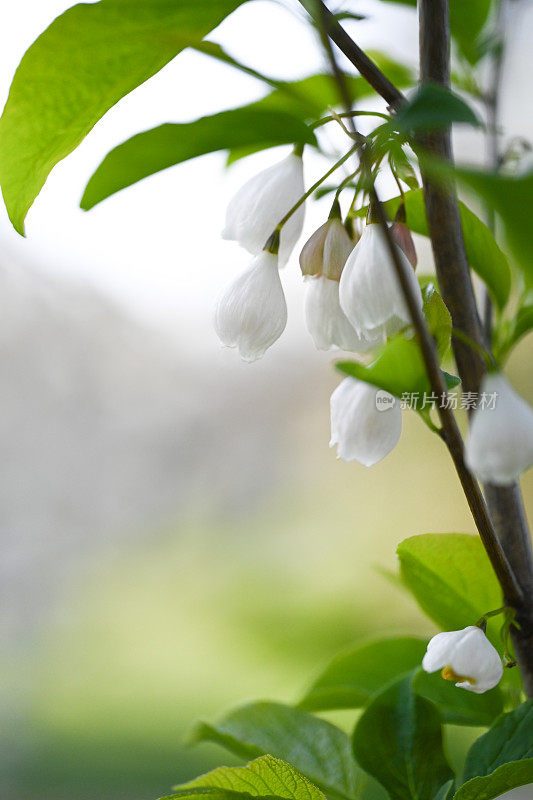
[444,224]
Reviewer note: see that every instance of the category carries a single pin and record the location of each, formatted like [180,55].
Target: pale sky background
[156,246]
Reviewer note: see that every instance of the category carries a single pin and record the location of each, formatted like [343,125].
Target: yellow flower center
[449,674]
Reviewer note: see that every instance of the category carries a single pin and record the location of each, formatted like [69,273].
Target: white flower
[362,431]
[327,322]
[370,292]
[499,443]
[262,202]
[252,312]
[466,657]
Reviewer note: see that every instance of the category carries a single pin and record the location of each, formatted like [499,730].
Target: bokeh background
[176,535]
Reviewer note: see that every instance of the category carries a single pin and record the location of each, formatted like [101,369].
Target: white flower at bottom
[361,431]
[499,443]
[370,292]
[327,322]
[258,206]
[465,657]
[252,313]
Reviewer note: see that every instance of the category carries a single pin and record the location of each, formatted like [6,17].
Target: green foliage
[354,677]
[502,758]
[398,740]
[399,368]
[457,706]
[484,255]
[523,323]
[84,63]
[264,777]
[431,108]
[438,318]
[450,576]
[170,144]
[316,748]
[512,199]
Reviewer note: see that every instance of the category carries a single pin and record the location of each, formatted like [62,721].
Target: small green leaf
[432,107]
[264,777]
[319,750]
[450,576]
[524,323]
[445,792]
[170,144]
[399,369]
[484,255]
[510,739]
[457,706]
[512,199]
[508,776]
[398,740]
[353,677]
[438,318]
[84,63]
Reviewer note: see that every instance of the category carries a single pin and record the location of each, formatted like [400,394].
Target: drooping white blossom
[327,322]
[370,292]
[252,313]
[259,205]
[499,443]
[465,657]
[363,429]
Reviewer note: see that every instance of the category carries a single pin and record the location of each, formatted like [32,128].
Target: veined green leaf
[264,777]
[451,578]
[319,750]
[502,758]
[84,63]
[355,676]
[166,145]
[398,740]
[399,369]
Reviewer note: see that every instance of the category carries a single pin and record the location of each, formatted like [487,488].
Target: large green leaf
[264,777]
[84,63]
[456,706]
[512,199]
[502,758]
[398,740]
[166,145]
[353,677]
[450,576]
[483,253]
[399,369]
[316,748]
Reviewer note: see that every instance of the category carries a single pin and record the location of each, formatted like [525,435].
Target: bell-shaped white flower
[370,292]
[327,322]
[252,313]
[465,657]
[499,443]
[259,205]
[366,423]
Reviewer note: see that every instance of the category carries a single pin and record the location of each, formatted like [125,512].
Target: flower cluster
[353,302]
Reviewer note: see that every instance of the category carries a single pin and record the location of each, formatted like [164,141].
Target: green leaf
[166,145]
[399,369]
[502,758]
[84,63]
[512,199]
[432,107]
[451,578]
[459,707]
[398,740]
[438,318]
[484,255]
[523,323]
[445,791]
[316,748]
[355,676]
[264,777]
[508,776]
